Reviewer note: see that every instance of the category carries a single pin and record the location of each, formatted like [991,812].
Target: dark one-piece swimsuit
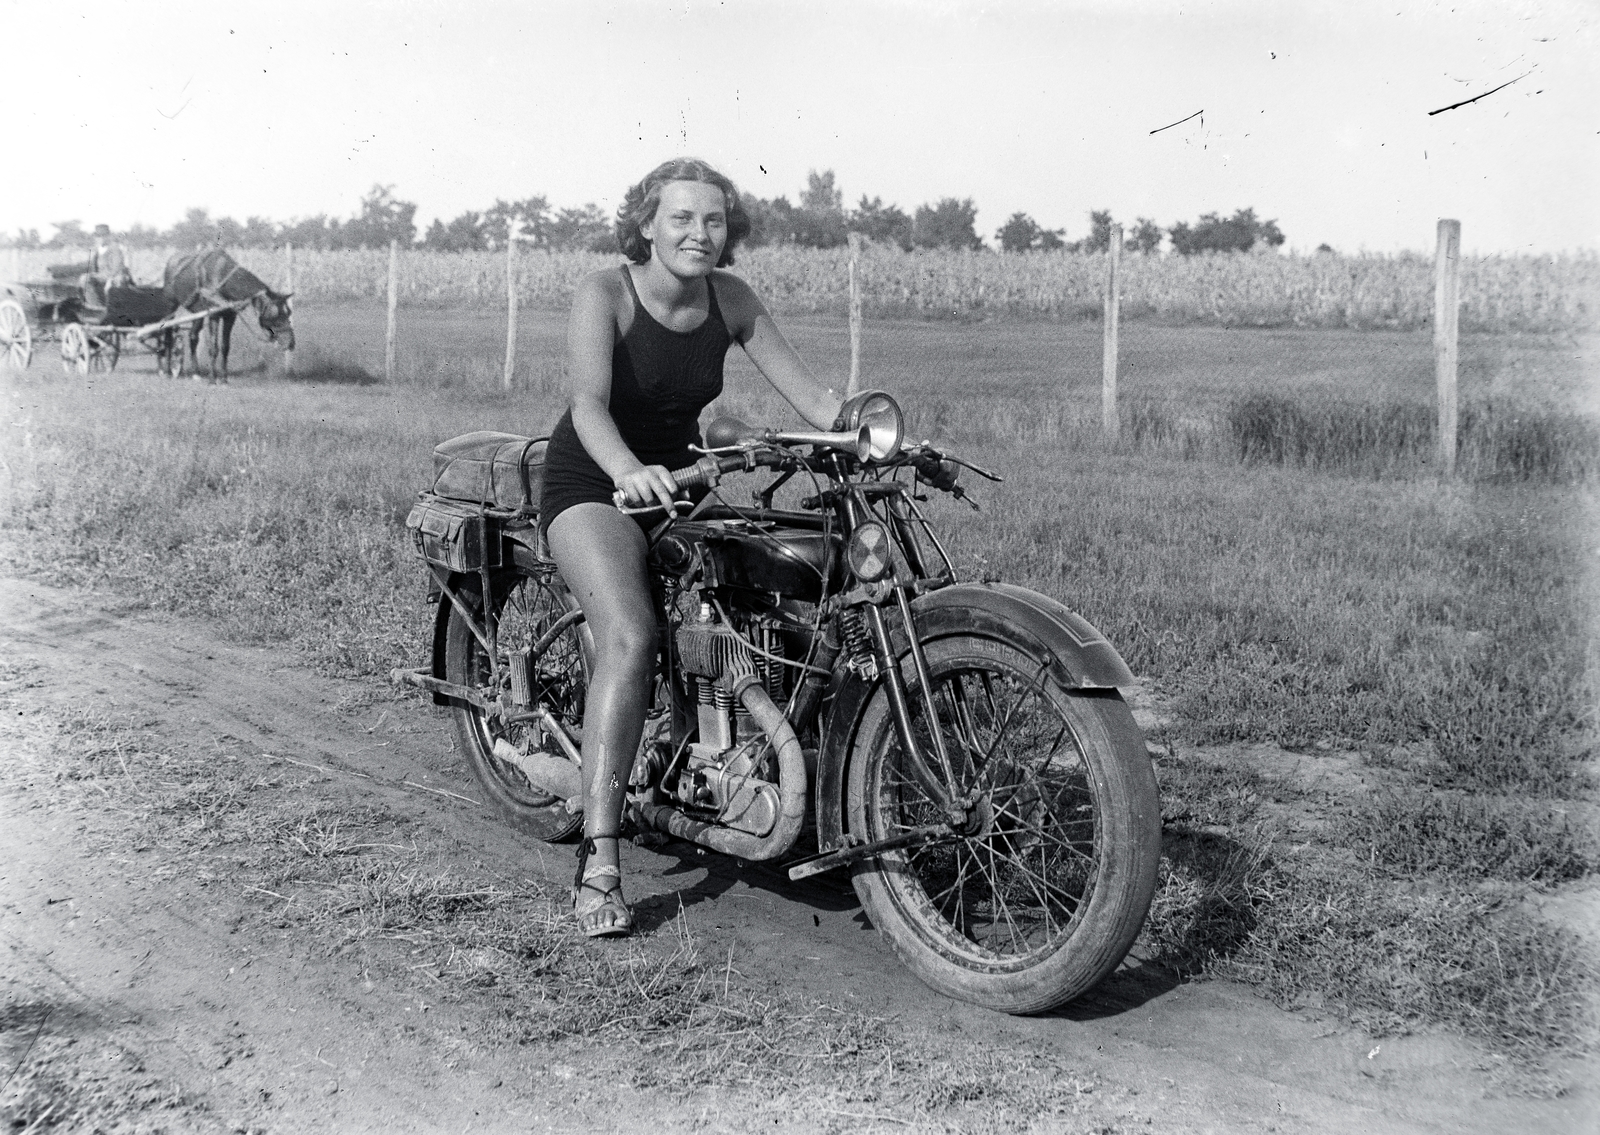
[660,381]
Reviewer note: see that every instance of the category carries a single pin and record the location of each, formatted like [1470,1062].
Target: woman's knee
[627,644]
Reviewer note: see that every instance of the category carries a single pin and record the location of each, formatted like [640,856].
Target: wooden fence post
[288,288]
[511,302]
[1446,313]
[1110,422]
[855,315]
[394,292]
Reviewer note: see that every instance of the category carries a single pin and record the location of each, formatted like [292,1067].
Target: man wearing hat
[108,268]
[110,259]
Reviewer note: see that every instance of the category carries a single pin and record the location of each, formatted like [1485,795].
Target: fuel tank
[758,556]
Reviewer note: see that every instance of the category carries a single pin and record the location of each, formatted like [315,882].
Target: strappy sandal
[590,901]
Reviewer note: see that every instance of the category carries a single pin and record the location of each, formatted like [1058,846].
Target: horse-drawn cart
[91,336]
[92,323]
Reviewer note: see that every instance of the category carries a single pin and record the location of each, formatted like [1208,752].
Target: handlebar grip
[693,476]
[702,471]
[939,472]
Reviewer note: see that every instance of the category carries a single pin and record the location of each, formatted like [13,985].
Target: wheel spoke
[957,882]
[997,903]
[1044,834]
[1039,885]
[1041,878]
[1005,725]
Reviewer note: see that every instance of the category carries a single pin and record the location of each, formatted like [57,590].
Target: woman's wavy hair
[644,199]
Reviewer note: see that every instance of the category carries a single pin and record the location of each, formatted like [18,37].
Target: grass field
[1437,634]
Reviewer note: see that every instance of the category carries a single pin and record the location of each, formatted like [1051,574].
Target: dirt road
[161,984]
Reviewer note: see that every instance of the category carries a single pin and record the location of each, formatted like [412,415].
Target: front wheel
[1045,893]
[528,603]
[75,349]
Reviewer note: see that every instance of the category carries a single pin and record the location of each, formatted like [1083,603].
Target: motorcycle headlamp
[880,415]
[869,552]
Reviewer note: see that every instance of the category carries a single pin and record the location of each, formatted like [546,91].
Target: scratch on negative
[1180,121]
[1475,98]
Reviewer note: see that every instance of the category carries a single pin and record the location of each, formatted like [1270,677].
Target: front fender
[1080,656]
[1077,656]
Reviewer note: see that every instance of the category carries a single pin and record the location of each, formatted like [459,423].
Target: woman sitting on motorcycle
[645,348]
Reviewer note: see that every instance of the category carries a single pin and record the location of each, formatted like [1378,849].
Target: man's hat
[102,230]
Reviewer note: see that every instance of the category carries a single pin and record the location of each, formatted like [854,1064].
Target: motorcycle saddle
[497,470]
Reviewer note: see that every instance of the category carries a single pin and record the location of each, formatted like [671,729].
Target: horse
[204,280]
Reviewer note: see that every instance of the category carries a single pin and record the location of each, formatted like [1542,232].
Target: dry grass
[1394,930]
[1418,832]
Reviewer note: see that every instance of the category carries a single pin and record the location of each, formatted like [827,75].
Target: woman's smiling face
[690,228]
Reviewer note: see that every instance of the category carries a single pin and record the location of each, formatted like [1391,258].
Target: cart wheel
[16,338]
[74,349]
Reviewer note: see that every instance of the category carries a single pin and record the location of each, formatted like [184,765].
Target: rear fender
[1076,655]
[523,550]
[464,584]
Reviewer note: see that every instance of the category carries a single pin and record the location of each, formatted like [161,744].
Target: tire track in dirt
[176,971]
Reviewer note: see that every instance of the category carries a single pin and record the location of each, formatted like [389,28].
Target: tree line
[819,219]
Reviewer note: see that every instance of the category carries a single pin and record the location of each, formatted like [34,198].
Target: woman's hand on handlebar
[647,486]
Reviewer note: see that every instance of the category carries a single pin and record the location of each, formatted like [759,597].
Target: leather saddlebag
[496,470]
[454,534]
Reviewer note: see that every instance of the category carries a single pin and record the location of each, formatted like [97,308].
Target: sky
[1315,114]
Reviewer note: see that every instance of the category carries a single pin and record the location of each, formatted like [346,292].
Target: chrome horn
[859,442]
[726,432]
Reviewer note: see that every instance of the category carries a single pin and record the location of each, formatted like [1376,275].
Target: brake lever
[969,465]
[620,499]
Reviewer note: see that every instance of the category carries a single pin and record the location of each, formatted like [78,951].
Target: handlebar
[938,470]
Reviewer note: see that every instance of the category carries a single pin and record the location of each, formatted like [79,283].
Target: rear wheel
[528,603]
[1044,897]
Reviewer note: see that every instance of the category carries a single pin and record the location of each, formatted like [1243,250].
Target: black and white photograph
[800,566]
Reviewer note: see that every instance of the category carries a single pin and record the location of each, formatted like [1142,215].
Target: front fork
[955,810]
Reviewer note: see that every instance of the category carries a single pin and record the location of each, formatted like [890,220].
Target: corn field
[1498,293]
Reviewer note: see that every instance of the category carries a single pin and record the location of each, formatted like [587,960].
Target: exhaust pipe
[556,775]
[791,789]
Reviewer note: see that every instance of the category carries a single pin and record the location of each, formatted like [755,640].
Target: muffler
[555,775]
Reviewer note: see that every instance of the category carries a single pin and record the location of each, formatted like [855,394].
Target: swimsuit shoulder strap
[627,278]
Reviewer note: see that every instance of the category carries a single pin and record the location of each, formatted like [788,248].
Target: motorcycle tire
[1045,898]
[527,602]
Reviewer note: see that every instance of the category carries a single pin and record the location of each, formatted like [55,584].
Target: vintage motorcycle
[827,695]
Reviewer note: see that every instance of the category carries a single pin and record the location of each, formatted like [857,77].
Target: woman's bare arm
[750,323]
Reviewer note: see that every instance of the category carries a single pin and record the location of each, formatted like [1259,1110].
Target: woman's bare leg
[601,554]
